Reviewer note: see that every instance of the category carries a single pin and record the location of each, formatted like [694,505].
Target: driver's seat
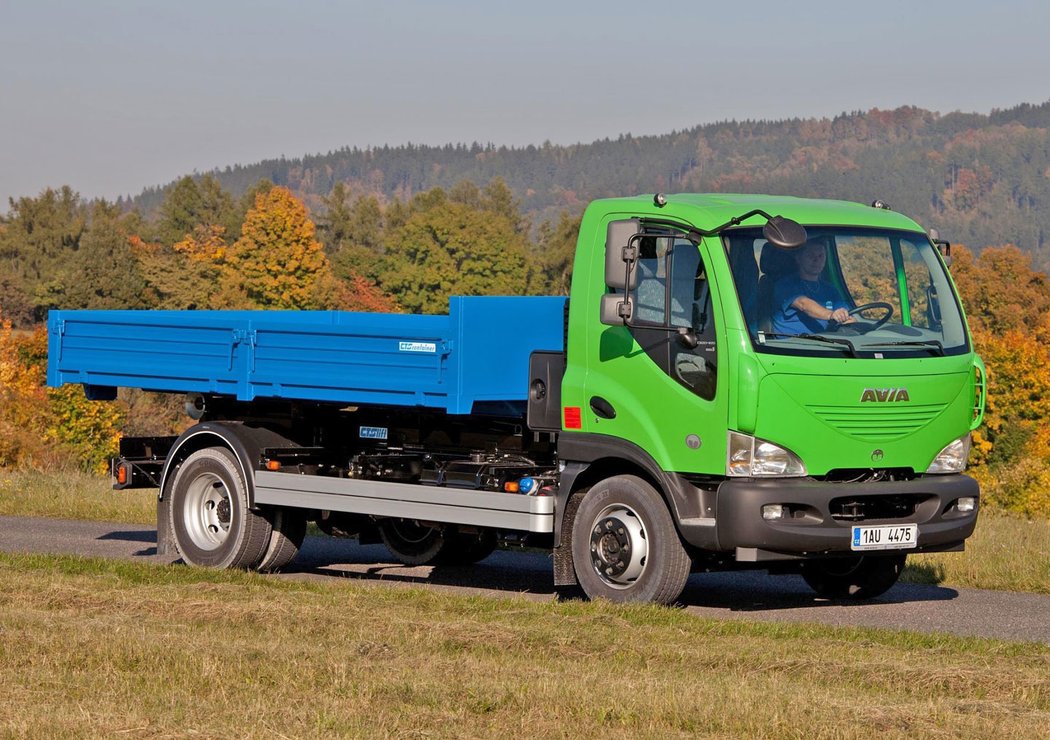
[775,264]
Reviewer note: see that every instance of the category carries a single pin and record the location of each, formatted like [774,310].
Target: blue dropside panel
[479,352]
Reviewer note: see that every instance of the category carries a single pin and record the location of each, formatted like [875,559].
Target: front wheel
[625,547]
[863,577]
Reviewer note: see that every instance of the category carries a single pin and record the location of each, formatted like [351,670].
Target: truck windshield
[859,292]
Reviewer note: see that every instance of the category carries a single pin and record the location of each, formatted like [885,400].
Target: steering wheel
[857,310]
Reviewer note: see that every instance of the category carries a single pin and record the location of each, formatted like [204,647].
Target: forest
[402,229]
[980,179]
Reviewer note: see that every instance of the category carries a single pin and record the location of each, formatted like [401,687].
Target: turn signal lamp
[273,465]
[511,486]
[122,474]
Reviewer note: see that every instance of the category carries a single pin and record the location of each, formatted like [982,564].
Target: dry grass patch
[94,647]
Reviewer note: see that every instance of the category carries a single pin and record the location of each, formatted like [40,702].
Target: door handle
[602,408]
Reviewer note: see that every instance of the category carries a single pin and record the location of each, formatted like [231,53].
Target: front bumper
[813,530]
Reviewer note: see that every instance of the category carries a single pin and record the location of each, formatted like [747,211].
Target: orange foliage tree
[278,262]
[1008,308]
[46,427]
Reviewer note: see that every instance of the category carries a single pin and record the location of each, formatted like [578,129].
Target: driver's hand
[841,316]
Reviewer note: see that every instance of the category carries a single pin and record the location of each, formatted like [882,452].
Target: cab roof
[709,210]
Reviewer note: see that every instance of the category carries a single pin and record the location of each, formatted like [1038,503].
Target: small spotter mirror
[619,259]
[784,233]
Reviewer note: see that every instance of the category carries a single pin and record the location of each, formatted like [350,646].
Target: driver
[802,302]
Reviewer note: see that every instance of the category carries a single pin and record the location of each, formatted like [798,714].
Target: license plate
[900,537]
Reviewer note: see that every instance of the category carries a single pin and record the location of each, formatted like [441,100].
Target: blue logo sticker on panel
[428,347]
[372,433]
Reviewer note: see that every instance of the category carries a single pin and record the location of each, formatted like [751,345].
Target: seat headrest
[776,262]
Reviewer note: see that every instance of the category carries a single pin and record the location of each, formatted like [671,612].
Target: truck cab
[775,437]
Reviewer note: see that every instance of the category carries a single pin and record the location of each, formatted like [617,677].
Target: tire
[863,577]
[467,548]
[289,531]
[625,547]
[412,543]
[209,515]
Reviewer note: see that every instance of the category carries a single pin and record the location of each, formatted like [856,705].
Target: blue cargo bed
[478,353]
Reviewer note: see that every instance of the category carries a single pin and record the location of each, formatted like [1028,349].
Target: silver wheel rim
[207,511]
[619,546]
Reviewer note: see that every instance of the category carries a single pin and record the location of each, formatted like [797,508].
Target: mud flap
[564,570]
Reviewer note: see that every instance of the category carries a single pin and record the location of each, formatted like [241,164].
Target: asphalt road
[752,596]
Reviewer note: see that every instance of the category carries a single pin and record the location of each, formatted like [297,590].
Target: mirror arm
[735,221]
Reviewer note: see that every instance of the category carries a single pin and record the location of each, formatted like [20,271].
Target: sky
[112,96]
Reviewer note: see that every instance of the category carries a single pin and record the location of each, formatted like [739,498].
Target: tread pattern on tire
[289,531]
[669,565]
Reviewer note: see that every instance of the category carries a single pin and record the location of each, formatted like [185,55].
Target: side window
[671,294]
[923,303]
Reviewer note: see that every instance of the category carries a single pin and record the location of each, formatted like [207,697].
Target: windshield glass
[862,292]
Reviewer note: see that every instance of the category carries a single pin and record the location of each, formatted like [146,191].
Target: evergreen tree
[102,273]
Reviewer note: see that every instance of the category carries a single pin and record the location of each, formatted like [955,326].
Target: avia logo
[884,395]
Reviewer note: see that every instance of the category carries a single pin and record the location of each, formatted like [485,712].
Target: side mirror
[621,253]
[616,309]
[943,246]
[784,233]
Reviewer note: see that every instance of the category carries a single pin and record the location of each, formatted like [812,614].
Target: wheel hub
[208,511]
[619,548]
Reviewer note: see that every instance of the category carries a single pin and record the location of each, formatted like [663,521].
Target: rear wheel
[289,531]
[467,548]
[412,543]
[863,577]
[625,546]
[209,515]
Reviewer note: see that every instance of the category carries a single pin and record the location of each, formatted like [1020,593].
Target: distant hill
[981,180]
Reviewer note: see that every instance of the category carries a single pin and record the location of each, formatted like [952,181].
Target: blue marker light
[527,485]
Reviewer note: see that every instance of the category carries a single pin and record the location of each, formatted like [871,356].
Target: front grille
[863,508]
[882,423]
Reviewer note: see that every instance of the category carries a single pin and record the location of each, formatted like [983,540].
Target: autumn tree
[1007,305]
[278,262]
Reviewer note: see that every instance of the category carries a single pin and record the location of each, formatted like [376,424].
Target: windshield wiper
[842,341]
[931,344]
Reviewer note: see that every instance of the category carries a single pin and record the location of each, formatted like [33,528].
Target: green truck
[735,381]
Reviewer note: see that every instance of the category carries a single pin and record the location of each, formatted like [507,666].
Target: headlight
[952,459]
[749,457]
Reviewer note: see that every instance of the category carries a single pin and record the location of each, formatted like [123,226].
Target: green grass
[73,495]
[1006,553]
[99,647]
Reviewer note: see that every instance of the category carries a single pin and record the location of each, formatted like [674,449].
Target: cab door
[654,377]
